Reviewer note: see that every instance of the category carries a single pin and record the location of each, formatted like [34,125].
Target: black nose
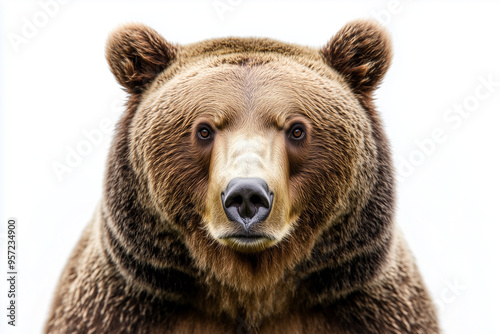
[247,200]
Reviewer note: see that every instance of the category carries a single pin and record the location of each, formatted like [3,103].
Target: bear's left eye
[297,131]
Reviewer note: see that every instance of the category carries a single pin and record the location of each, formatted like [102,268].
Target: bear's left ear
[361,51]
[136,54]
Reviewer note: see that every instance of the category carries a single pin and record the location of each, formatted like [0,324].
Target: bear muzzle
[247,201]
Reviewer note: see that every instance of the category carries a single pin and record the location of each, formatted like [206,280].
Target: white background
[56,85]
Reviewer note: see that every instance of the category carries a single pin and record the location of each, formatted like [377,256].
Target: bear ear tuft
[361,51]
[136,54]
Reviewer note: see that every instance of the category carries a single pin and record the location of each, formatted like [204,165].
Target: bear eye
[297,132]
[204,133]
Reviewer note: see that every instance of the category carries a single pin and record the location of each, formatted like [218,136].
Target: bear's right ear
[136,54]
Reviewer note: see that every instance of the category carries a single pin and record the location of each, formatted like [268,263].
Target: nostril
[234,201]
[258,201]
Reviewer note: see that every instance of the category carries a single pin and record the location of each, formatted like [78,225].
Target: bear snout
[247,201]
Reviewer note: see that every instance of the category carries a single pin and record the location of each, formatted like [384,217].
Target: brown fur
[150,261]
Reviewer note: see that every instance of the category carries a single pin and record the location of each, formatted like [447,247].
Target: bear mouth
[248,243]
[248,238]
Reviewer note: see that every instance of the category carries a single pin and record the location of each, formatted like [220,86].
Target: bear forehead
[247,51]
[272,85]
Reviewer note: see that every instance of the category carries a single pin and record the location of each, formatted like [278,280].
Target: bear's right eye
[204,133]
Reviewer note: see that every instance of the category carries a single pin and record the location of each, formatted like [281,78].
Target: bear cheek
[171,175]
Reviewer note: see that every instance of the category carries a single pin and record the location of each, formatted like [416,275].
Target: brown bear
[249,189]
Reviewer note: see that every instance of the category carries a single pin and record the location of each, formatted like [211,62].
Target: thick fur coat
[153,258]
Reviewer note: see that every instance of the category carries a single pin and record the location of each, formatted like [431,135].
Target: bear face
[294,119]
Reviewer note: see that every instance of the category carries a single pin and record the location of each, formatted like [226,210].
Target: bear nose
[247,200]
